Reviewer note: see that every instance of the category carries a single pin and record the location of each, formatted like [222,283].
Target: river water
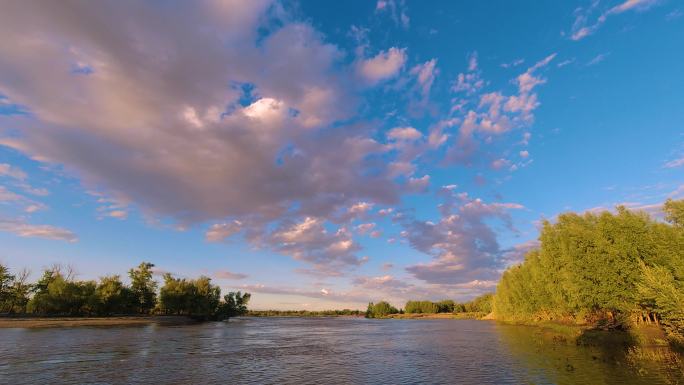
[318,351]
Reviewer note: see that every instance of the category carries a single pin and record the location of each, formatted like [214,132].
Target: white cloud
[383,66]
[220,231]
[12,172]
[27,230]
[404,133]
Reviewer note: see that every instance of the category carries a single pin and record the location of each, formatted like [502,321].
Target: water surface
[316,350]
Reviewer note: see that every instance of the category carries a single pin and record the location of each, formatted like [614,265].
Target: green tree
[197,298]
[234,304]
[64,296]
[143,287]
[6,283]
[604,268]
[113,297]
[380,309]
[674,211]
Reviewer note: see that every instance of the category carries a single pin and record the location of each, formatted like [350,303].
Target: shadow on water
[568,355]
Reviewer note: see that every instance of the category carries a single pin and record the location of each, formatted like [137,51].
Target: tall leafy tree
[143,287]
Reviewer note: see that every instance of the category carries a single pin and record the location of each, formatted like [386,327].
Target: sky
[323,154]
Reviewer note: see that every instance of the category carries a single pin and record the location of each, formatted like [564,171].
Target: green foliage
[56,293]
[600,266]
[446,306]
[114,298]
[380,309]
[6,283]
[305,313]
[661,293]
[234,304]
[674,212]
[197,298]
[60,295]
[481,304]
[426,307]
[144,288]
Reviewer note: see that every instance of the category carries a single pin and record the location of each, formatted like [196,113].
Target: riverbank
[474,315]
[61,322]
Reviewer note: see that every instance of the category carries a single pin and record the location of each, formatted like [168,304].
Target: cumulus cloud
[27,230]
[221,231]
[383,66]
[463,244]
[496,114]
[404,133]
[469,82]
[209,113]
[419,184]
[310,241]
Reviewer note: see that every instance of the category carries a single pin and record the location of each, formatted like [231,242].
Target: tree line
[305,313]
[610,269]
[58,293]
[481,304]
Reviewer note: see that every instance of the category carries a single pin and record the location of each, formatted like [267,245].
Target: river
[317,351]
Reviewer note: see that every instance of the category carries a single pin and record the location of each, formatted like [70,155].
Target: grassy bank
[59,322]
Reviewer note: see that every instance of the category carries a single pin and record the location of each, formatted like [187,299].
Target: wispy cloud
[582,28]
[675,163]
[598,59]
[27,230]
[225,274]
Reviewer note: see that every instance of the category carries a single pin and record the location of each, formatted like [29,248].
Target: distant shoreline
[30,322]
[60,322]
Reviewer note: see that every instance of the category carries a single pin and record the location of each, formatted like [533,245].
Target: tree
[380,309]
[20,292]
[235,304]
[674,212]
[197,298]
[6,282]
[113,297]
[144,289]
[62,296]
[426,307]
[601,268]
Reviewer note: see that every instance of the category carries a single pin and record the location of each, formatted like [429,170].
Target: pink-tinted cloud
[582,27]
[383,66]
[225,274]
[27,230]
[463,244]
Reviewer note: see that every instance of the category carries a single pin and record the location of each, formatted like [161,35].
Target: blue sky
[320,154]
